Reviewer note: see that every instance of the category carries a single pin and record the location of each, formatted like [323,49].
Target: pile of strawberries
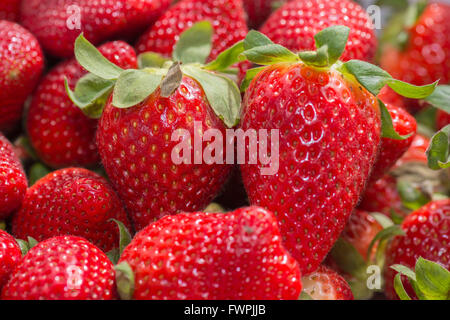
[94,206]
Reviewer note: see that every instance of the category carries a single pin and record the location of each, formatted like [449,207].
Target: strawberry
[57,23]
[60,133]
[326,284]
[426,236]
[10,256]
[295,24]
[62,268]
[442,119]
[417,151]
[226,16]
[424,53]
[21,66]
[13,181]
[329,133]
[382,196]
[9,10]
[135,132]
[71,202]
[391,150]
[259,10]
[215,256]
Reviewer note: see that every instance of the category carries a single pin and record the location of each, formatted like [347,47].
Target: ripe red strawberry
[417,151]
[295,24]
[10,256]
[382,196]
[57,23]
[391,150]
[226,16]
[442,119]
[425,56]
[62,268]
[326,284]
[427,236]
[135,146]
[71,202]
[59,131]
[9,10]
[215,256]
[13,181]
[21,67]
[360,231]
[259,10]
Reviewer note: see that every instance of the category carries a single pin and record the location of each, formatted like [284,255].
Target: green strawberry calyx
[429,280]
[133,86]
[124,240]
[26,245]
[438,152]
[330,44]
[125,280]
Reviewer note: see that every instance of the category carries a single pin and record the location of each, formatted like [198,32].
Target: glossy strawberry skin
[321,175]
[62,268]
[59,131]
[259,10]
[22,62]
[71,202]
[13,181]
[226,16]
[10,256]
[427,236]
[9,10]
[391,150]
[136,147]
[295,24]
[442,119]
[427,54]
[326,284]
[195,256]
[417,151]
[54,24]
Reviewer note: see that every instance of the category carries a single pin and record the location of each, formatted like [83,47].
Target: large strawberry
[329,132]
[226,16]
[59,131]
[62,268]
[150,112]
[238,255]
[426,236]
[57,23]
[326,284]
[392,149]
[21,65]
[71,202]
[10,256]
[9,10]
[259,10]
[295,24]
[419,49]
[13,181]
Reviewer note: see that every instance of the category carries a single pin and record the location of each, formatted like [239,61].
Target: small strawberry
[442,119]
[417,151]
[392,149]
[326,284]
[226,16]
[62,268]
[71,202]
[426,236]
[60,133]
[9,10]
[10,256]
[13,181]
[295,24]
[136,131]
[216,256]
[420,51]
[259,10]
[57,23]
[329,123]
[21,64]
